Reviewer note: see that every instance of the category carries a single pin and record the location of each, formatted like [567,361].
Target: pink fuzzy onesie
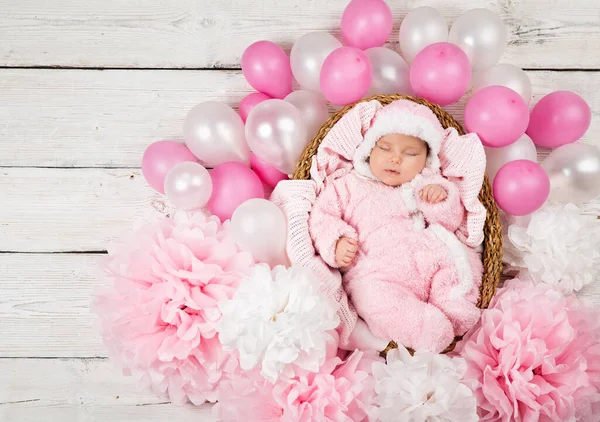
[412,280]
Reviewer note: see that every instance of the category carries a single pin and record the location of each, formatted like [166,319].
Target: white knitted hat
[405,117]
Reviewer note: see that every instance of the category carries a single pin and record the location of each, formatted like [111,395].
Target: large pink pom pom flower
[535,356]
[341,392]
[159,314]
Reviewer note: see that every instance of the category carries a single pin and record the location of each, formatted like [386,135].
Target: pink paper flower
[341,392]
[247,397]
[159,313]
[535,356]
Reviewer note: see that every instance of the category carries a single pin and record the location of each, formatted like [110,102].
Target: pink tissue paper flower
[159,312]
[535,356]
[342,392]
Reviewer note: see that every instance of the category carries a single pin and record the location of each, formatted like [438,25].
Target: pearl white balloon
[522,149]
[507,75]
[574,171]
[313,108]
[188,185]
[482,36]
[421,27]
[259,227]
[307,57]
[390,72]
[214,133]
[276,133]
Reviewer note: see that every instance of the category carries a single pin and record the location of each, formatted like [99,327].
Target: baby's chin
[392,180]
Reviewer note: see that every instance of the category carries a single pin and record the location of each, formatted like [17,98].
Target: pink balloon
[267,68]
[346,76]
[498,115]
[441,73]
[366,24]
[159,158]
[268,174]
[249,102]
[233,184]
[521,187]
[561,117]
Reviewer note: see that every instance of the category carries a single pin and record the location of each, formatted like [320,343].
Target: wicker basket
[492,246]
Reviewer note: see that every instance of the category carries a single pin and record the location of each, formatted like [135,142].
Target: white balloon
[522,149]
[214,133]
[421,27]
[259,227]
[482,36]
[276,133]
[390,72]
[574,171]
[307,57]
[507,75]
[188,185]
[313,108]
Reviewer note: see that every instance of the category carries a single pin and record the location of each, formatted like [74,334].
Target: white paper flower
[423,387]
[279,320]
[558,246]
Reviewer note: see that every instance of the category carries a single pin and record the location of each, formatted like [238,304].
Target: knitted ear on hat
[405,117]
[335,154]
[463,161]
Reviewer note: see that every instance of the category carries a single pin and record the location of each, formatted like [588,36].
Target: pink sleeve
[326,223]
[296,198]
[450,212]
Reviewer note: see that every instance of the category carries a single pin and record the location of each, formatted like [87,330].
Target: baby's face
[397,158]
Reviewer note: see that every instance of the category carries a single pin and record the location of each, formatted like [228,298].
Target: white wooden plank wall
[86,86]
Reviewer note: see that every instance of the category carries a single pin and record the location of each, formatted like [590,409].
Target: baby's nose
[396,160]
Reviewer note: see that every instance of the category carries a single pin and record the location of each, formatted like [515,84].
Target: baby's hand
[345,251]
[433,194]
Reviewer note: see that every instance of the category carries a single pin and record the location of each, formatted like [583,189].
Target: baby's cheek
[375,163]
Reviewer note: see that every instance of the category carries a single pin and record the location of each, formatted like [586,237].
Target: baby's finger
[437,196]
[430,195]
[353,242]
[353,248]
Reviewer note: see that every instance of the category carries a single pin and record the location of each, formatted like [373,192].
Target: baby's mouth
[392,172]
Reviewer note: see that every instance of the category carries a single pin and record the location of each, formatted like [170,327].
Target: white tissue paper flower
[558,246]
[278,319]
[424,387]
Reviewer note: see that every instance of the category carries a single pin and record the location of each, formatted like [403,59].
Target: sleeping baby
[389,226]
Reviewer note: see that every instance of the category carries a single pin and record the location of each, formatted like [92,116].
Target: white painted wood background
[86,85]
